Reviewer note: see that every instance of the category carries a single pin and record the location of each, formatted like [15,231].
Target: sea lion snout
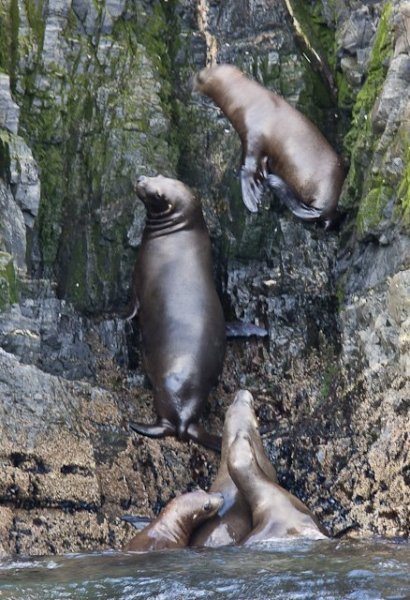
[215,502]
[198,80]
[245,397]
[140,186]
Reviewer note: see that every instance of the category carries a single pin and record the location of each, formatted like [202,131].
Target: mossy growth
[34,12]
[8,281]
[9,24]
[341,291]
[361,141]
[98,117]
[403,193]
[376,73]
[372,206]
[328,377]
[161,40]
[4,155]
[316,37]
[51,163]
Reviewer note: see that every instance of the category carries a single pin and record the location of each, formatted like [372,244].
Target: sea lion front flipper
[159,429]
[287,196]
[251,189]
[198,434]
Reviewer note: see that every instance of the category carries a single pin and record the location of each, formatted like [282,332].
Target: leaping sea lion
[275,512]
[174,525]
[234,521]
[180,314]
[280,146]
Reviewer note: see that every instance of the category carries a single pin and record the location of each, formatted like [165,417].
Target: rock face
[94,94]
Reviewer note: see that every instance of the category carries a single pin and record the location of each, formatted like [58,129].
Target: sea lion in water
[180,315]
[275,512]
[234,521]
[174,525]
[279,145]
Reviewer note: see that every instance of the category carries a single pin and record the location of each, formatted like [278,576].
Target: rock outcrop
[94,94]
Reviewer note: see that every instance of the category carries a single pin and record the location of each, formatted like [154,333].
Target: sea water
[297,570]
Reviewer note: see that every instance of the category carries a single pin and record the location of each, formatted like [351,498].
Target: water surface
[326,569]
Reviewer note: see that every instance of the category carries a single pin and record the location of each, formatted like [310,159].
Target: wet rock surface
[93,95]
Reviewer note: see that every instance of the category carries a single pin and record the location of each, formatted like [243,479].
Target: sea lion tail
[289,199]
[198,434]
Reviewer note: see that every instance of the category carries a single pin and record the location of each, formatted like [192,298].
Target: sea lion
[174,525]
[180,314]
[280,146]
[275,512]
[234,521]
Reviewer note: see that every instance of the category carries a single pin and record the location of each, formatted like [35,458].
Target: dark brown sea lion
[275,512]
[234,521]
[180,315]
[175,523]
[279,146]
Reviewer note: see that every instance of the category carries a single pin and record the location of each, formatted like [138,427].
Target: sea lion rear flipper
[198,434]
[156,430]
[251,190]
[287,196]
[136,521]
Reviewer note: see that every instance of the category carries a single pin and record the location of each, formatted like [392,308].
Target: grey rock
[12,229]
[21,387]
[395,93]
[371,263]
[9,110]
[402,29]
[357,32]
[88,14]
[24,179]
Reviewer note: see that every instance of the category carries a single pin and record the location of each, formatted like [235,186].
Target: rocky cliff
[93,94]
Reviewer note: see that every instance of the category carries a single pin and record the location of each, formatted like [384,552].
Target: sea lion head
[168,202]
[209,79]
[241,422]
[202,505]
[239,416]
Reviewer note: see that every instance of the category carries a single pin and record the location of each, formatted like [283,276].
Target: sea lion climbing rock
[234,521]
[180,314]
[280,146]
[275,512]
[175,523]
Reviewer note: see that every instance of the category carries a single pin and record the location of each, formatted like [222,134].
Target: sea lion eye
[207,506]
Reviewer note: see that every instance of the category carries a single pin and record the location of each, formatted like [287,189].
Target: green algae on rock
[361,141]
[8,281]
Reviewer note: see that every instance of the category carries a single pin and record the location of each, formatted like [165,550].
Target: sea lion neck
[171,221]
[164,223]
[225,96]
